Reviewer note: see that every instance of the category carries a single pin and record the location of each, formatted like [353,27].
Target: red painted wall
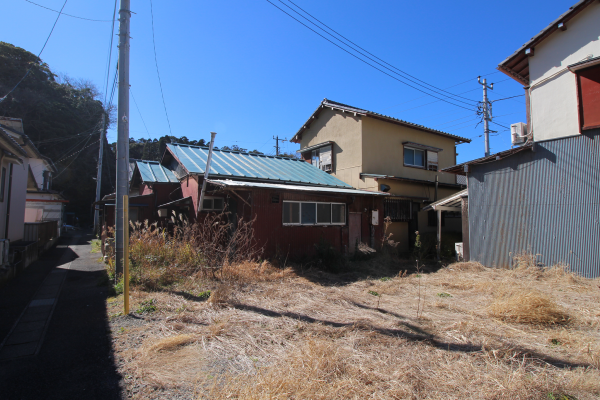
[300,240]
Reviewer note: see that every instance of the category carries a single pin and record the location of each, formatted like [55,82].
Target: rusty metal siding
[545,201]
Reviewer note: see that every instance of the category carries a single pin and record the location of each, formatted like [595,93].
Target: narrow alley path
[53,328]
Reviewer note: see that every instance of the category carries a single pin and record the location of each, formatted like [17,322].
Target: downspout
[206,171]
[10,168]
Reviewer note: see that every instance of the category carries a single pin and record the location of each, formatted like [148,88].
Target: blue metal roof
[229,164]
[153,171]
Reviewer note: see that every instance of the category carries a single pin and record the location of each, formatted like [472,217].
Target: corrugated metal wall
[270,232]
[545,201]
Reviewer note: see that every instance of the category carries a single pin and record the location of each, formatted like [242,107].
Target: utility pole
[277,140]
[123,133]
[99,177]
[486,113]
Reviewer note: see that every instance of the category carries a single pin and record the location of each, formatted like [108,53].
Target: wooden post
[126,254]
[439,233]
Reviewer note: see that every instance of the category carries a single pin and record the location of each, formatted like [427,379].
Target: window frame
[213,203]
[580,96]
[424,166]
[316,213]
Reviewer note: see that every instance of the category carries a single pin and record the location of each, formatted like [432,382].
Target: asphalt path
[75,358]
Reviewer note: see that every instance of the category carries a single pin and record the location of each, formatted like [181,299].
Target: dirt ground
[465,331]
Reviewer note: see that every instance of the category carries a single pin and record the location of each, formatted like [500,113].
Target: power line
[157,71]
[40,53]
[112,34]
[348,40]
[68,15]
[449,87]
[138,109]
[506,98]
[366,62]
[63,138]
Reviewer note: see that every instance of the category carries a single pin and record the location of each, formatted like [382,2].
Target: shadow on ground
[76,358]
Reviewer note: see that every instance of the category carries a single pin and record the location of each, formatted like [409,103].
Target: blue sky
[248,71]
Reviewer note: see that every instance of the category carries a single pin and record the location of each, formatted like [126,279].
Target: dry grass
[528,306]
[171,343]
[272,334]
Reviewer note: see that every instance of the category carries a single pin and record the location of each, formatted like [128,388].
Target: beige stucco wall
[554,111]
[345,130]
[383,150]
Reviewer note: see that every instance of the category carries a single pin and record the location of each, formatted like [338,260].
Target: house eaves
[460,169]
[517,64]
[11,144]
[412,180]
[334,105]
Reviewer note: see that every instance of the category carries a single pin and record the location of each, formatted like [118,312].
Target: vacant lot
[463,332]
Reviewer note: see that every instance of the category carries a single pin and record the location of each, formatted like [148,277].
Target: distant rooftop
[247,166]
[153,172]
[326,103]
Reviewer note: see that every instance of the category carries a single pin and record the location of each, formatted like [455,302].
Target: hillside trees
[62,117]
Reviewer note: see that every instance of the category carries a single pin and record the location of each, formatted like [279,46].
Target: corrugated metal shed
[228,164]
[545,201]
[314,189]
[153,171]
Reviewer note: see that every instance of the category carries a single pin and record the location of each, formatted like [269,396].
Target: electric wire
[157,71]
[68,15]
[39,54]
[366,62]
[376,58]
[138,110]
[506,98]
[62,139]
[366,51]
[449,87]
[110,46]
[77,155]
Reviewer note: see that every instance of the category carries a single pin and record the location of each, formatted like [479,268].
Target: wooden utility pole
[123,134]
[99,176]
[277,140]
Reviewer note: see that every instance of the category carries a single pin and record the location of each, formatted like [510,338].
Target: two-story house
[543,196]
[374,152]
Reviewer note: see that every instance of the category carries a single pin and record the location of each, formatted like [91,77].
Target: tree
[62,116]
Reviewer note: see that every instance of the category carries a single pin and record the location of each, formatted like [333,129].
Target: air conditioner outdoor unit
[518,133]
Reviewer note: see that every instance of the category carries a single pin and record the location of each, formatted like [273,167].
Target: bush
[159,258]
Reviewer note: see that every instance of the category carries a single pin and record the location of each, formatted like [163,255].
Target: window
[588,82]
[338,213]
[398,210]
[323,213]
[291,213]
[213,203]
[2,184]
[313,213]
[308,213]
[321,158]
[414,157]
[432,160]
